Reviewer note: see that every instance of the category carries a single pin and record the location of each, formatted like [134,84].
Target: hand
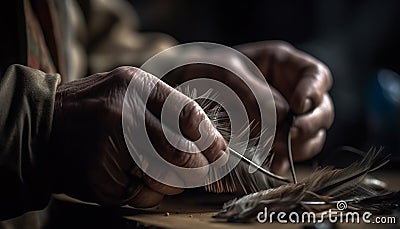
[90,159]
[299,83]
[303,83]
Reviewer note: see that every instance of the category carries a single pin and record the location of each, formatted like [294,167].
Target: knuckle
[321,73]
[283,46]
[282,52]
[217,149]
[318,96]
[326,73]
[192,115]
[124,73]
[188,160]
[146,198]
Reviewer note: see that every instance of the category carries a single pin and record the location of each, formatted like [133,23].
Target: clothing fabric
[50,42]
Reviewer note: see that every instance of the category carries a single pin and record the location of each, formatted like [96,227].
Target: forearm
[27,101]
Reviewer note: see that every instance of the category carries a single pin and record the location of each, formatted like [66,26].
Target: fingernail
[306,105]
[294,132]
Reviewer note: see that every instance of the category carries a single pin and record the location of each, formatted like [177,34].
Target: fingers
[280,165]
[307,79]
[193,122]
[302,149]
[314,82]
[282,107]
[162,188]
[308,133]
[152,193]
[299,77]
[307,125]
[172,153]
[146,198]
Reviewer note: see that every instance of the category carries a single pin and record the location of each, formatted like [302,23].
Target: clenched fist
[299,84]
[302,84]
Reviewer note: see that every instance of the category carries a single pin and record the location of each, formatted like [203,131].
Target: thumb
[281,105]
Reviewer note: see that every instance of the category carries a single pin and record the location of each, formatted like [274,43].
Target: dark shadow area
[357,40]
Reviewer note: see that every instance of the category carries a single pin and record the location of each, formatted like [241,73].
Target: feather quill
[319,192]
[239,180]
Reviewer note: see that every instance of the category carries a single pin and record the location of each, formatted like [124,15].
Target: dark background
[357,40]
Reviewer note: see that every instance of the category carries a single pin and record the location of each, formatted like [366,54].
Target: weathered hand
[303,82]
[91,161]
[299,84]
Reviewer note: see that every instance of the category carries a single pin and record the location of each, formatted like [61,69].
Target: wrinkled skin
[303,83]
[299,84]
[90,158]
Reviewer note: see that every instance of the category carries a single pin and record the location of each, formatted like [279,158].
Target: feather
[239,180]
[379,204]
[319,192]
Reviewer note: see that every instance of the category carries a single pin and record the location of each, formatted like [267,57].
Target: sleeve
[26,110]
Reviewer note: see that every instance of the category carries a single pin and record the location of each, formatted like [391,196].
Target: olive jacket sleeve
[27,98]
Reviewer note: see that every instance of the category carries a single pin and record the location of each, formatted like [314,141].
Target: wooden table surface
[196,211]
[192,209]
